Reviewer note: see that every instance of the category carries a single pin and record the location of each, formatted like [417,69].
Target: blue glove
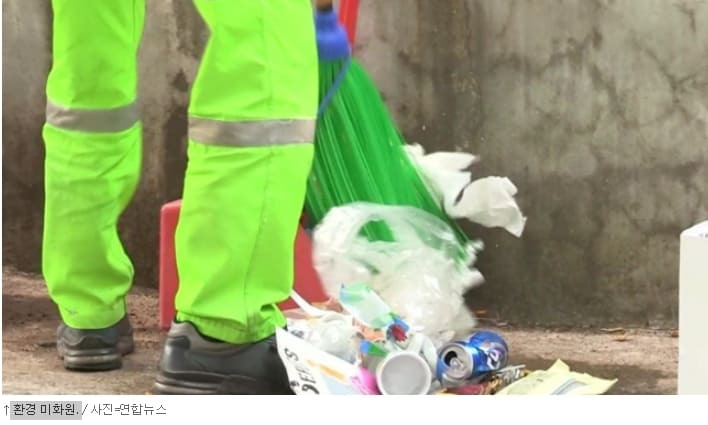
[332,40]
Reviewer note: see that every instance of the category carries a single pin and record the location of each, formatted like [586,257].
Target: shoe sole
[98,359]
[231,384]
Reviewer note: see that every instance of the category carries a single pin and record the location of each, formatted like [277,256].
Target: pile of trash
[375,352]
[326,352]
[396,322]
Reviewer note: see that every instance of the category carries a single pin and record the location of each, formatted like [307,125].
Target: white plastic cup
[403,373]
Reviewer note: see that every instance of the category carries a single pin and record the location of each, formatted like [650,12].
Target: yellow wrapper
[558,380]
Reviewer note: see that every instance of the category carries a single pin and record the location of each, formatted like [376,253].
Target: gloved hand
[332,40]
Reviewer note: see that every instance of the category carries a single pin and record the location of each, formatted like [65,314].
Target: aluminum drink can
[460,362]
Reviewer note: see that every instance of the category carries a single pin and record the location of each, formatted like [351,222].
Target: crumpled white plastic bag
[488,201]
[422,275]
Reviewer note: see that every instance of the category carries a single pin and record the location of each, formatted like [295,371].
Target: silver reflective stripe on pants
[251,133]
[111,120]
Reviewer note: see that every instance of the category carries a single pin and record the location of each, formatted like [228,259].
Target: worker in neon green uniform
[251,126]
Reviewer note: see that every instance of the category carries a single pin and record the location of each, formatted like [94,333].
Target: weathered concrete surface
[597,110]
[643,361]
[26,26]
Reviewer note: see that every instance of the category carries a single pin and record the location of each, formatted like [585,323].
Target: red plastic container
[348,14]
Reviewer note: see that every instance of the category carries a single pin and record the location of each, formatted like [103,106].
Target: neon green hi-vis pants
[251,126]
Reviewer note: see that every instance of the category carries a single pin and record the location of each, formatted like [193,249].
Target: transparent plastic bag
[422,273]
[333,333]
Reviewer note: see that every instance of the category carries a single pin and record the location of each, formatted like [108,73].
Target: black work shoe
[95,349]
[192,364]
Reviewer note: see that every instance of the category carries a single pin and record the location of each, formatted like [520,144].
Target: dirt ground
[643,360]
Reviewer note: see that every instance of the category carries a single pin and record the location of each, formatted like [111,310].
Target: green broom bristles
[359,152]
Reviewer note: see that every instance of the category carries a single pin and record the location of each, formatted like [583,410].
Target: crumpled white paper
[488,201]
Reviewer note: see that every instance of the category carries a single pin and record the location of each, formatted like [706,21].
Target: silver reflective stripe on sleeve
[251,133]
[110,120]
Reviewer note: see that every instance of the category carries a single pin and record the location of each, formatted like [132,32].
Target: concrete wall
[597,110]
